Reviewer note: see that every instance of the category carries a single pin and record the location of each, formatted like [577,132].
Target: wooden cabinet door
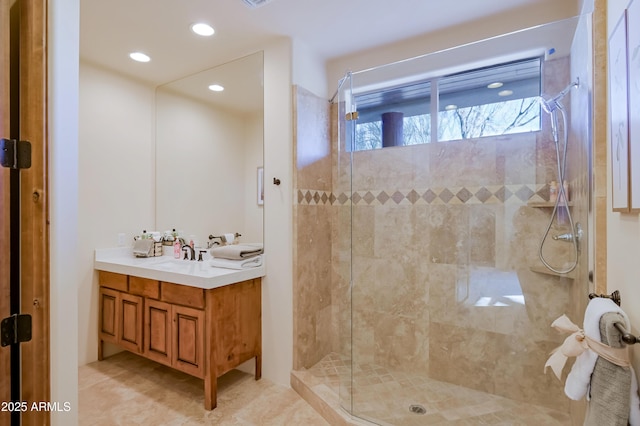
[131,322]
[109,315]
[188,340]
[158,331]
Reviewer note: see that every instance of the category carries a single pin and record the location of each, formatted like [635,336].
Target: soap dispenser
[176,248]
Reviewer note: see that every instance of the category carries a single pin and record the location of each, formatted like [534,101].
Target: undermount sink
[171,264]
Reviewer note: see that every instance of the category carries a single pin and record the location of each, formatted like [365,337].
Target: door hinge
[350,116]
[15,329]
[15,154]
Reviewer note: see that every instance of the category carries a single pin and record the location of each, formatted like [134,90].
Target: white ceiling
[110,29]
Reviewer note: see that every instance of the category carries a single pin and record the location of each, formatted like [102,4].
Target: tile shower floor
[128,390]
[387,396]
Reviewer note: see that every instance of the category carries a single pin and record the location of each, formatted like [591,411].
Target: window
[489,101]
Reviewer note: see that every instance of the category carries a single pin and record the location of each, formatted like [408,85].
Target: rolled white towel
[252,262]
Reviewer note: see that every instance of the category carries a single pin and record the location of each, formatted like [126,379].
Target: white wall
[116,179]
[308,69]
[277,289]
[63,16]
[623,231]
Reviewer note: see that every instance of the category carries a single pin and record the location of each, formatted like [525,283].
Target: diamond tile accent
[446,195]
[413,196]
[543,192]
[483,194]
[429,196]
[503,194]
[454,195]
[397,197]
[464,195]
[383,197]
[369,197]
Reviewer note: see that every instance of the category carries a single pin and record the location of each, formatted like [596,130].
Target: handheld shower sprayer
[550,105]
[553,106]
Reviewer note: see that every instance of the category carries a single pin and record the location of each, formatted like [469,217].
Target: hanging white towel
[579,379]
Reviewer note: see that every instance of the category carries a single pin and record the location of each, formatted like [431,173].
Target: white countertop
[165,268]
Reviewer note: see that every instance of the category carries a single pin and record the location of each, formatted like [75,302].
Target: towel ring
[625,336]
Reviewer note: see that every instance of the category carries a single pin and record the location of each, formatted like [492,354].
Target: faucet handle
[212,243]
[200,255]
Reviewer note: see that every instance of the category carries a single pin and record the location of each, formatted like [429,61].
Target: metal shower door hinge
[15,329]
[15,154]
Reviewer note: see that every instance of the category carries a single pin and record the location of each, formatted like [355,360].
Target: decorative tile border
[498,194]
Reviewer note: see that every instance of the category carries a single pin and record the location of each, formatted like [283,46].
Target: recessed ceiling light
[216,88]
[505,93]
[494,85]
[139,56]
[451,107]
[202,29]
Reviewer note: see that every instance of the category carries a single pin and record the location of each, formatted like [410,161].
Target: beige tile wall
[312,304]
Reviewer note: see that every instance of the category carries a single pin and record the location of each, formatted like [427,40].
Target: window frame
[434,101]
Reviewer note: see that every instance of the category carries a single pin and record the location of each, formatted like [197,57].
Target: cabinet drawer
[182,295]
[144,287]
[113,280]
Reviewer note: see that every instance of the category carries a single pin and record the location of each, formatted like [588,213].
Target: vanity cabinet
[175,336]
[121,321]
[201,332]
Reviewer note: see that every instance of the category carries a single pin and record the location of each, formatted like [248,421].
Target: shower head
[550,105]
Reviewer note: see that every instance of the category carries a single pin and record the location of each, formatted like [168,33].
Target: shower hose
[561,163]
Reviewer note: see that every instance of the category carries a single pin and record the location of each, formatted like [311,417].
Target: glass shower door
[448,312]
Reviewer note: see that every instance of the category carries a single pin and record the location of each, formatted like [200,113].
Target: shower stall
[432,300]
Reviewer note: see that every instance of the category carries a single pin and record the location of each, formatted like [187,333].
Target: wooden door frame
[5,225]
[34,198]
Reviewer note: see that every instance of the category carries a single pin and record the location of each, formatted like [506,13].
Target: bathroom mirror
[209,147]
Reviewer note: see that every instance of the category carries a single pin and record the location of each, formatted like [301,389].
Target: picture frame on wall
[633,81]
[260,186]
[619,116]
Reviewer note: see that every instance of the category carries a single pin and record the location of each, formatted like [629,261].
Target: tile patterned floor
[386,396]
[129,390]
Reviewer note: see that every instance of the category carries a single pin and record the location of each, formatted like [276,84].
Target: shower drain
[417,409]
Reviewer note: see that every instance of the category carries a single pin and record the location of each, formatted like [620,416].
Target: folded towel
[143,248]
[610,383]
[252,262]
[237,251]
[579,379]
